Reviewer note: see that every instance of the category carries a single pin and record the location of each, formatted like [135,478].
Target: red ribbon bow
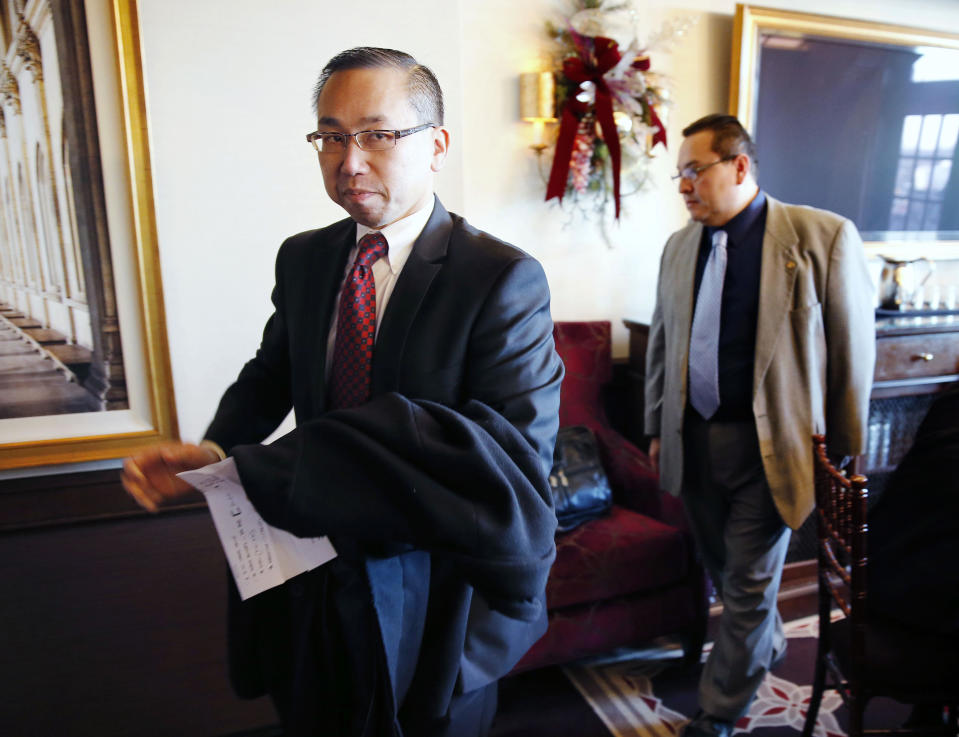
[578,70]
[642,64]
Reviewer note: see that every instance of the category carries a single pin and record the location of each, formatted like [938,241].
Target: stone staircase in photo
[39,369]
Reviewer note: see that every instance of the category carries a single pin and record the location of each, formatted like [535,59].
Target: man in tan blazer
[763,334]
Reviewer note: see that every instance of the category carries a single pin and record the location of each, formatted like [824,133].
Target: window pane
[950,132]
[940,176]
[933,213]
[904,178]
[935,64]
[910,133]
[897,215]
[922,175]
[916,211]
[929,138]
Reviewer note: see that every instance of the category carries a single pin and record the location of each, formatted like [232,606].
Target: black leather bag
[580,488]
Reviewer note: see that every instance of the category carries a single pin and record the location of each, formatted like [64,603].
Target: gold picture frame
[130,312]
[850,133]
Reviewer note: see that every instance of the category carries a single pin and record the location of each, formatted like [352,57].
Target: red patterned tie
[356,328]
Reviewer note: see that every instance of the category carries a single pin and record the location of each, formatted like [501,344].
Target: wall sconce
[537,103]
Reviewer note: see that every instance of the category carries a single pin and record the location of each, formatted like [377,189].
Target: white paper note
[260,556]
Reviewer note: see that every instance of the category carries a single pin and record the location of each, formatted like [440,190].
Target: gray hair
[425,94]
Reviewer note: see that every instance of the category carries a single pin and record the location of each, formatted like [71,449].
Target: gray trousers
[743,543]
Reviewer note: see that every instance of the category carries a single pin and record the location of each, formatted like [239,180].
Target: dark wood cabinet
[916,358]
[916,355]
[636,383]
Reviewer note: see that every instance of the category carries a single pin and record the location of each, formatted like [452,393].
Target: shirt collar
[737,228]
[401,235]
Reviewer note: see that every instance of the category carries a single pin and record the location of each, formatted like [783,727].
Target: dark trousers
[337,684]
[471,715]
[743,542]
[333,683]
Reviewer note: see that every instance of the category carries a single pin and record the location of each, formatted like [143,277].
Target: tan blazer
[815,349]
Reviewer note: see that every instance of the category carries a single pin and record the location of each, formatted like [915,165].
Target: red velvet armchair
[631,576]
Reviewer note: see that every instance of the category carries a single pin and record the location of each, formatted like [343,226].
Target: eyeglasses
[692,172]
[326,143]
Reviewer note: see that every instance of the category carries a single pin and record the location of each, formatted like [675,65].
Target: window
[925,163]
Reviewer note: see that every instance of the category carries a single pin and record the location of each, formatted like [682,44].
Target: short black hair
[425,93]
[729,137]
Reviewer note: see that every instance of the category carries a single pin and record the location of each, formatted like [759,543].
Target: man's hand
[654,453]
[150,476]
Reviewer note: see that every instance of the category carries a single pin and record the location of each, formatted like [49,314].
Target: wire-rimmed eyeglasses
[692,172]
[378,140]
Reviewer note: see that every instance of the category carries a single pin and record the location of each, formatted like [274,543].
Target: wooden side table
[636,383]
[916,358]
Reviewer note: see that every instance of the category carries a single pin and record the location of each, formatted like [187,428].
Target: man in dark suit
[423,455]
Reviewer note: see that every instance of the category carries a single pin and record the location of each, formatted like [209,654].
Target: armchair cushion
[634,482]
[621,553]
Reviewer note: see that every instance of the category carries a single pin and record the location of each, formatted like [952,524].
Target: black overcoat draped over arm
[436,486]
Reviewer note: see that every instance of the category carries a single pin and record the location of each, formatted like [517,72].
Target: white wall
[229,103]
[589,280]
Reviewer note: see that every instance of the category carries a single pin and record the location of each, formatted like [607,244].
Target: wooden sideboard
[916,357]
[636,383]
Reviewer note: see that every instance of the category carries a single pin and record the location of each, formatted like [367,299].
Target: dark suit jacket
[436,488]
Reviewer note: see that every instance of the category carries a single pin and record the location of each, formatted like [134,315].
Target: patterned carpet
[646,694]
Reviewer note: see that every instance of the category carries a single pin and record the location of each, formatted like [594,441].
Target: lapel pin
[790,264]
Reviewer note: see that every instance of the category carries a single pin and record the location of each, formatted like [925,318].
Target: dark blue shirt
[740,306]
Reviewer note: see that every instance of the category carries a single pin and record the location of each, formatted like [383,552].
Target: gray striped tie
[704,337]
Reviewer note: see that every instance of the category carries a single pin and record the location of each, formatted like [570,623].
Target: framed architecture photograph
[856,117]
[84,364]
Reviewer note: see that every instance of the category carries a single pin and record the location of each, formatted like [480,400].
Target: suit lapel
[422,266]
[776,282]
[330,266]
